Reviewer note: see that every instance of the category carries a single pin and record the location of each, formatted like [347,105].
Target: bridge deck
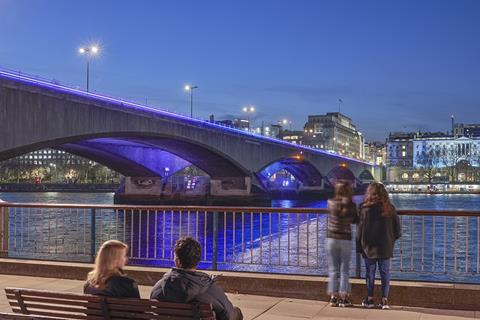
[258,307]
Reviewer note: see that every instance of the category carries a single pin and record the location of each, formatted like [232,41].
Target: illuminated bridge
[140,141]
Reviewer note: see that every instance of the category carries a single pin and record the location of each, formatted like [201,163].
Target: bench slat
[129,315]
[156,303]
[43,293]
[150,308]
[80,305]
[54,314]
[9,316]
[36,306]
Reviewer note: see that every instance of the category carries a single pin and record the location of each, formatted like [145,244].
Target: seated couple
[183,284]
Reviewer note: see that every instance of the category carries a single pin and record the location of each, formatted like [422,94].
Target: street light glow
[248,109]
[190,88]
[91,50]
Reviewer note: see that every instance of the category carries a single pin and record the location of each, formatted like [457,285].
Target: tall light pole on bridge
[89,52]
[190,88]
[285,122]
[248,110]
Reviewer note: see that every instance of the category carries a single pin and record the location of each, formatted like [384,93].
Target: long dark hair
[342,199]
[343,189]
[377,194]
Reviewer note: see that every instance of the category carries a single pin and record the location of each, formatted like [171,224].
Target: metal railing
[443,245]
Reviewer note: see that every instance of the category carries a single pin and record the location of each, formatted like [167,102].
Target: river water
[431,248]
[401,201]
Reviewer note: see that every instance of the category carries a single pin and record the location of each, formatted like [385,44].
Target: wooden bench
[44,304]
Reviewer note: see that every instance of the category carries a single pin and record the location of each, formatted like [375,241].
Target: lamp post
[248,110]
[89,52]
[289,122]
[190,88]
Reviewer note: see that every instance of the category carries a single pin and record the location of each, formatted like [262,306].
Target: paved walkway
[260,307]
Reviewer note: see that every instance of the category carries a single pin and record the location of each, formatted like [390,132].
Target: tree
[450,159]
[429,162]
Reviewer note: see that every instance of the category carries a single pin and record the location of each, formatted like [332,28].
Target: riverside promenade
[265,297]
[259,307]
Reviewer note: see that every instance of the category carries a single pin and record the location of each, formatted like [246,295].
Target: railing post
[215,241]
[4,223]
[92,235]
[358,268]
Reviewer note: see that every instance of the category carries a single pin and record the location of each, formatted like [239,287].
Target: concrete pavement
[260,307]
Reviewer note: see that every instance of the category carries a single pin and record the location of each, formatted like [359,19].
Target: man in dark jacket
[185,284]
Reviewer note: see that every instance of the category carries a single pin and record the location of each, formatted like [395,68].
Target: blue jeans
[370,269]
[338,255]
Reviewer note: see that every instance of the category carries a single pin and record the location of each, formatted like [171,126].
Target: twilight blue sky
[397,65]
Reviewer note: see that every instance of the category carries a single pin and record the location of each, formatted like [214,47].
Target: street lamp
[248,110]
[89,52]
[190,88]
[289,122]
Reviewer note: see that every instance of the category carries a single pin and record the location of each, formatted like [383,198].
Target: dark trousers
[371,268]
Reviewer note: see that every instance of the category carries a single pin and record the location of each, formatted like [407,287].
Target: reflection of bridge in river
[436,245]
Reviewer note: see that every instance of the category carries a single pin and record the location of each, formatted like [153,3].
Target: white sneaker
[384,304]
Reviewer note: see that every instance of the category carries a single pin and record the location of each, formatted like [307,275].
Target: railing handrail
[406,212]
[163,207]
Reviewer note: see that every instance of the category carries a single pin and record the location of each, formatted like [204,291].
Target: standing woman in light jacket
[342,213]
[377,232]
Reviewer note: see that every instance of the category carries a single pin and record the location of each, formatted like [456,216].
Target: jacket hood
[193,282]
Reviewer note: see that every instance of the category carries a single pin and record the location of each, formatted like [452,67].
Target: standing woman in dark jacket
[377,232]
[107,277]
[342,213]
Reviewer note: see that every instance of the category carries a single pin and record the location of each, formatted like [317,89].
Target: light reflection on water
[456,253]
[401,201]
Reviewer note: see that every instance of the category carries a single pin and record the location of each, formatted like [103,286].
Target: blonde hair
[106,263]
[377,194]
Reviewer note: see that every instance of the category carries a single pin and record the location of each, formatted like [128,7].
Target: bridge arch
[366,176]
[340,173]
[300,168]
[98,147]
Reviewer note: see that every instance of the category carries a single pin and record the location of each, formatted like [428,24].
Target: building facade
[56,166]
[467,130]
[399,155]
[295,136]
[376,153]
[334,132]
[432,158]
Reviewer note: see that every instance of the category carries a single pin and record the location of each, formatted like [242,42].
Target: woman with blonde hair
[342,212]
[377,232]
[107,277]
